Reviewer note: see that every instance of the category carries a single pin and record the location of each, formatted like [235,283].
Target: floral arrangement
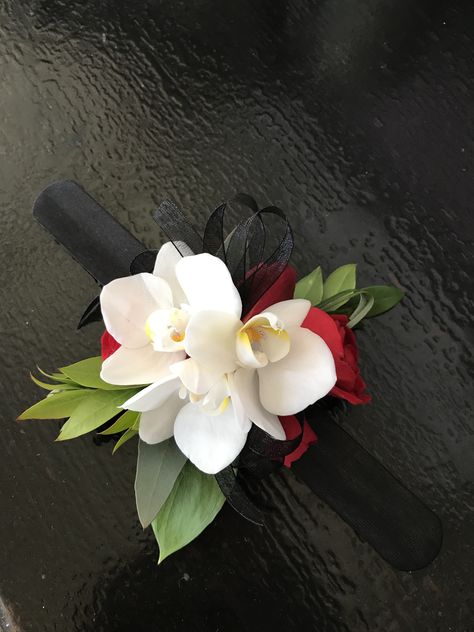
[212,352]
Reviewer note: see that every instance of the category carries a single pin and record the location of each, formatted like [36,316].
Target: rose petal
[126,304]
[138,366]
[208,285]
[319,322]
[305,375]
[292,430]
[108,345]
[211,442]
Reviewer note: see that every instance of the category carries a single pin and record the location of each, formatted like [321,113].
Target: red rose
[292,429]
[342,342]
[108,345]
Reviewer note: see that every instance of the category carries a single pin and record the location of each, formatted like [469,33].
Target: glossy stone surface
[353,117]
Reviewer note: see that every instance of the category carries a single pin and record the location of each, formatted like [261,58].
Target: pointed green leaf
[310,287]
[343,278]
[93,411]
[194,502]
[124,422]
[56,405]
[58,377]
[53,387]
[158,467]
[338,300]
[385,298]
[87,373]
[366,302]
[127,435]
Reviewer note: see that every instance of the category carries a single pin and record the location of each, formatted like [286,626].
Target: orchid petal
[157,425]
[211,442]
[261,340]
[244,389]
[305,375]
[165,267]
[196,378]
[153,396]
[215,401]
[166,329]
[126,303]
[210,340]
[138,366]
[291,313]
[208,285]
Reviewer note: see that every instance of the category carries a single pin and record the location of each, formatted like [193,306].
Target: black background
[354,117]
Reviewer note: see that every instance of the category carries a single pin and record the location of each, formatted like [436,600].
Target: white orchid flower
[235,374]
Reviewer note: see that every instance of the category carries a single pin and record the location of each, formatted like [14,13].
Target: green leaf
[56,405]
[53,387]
[385,298]
[158,467]
[124,422]
[92,412]
[310,287]
[87,373]
[194,502]
[366,302]
[338,300]
[343,278]
[127,435]
[58,377]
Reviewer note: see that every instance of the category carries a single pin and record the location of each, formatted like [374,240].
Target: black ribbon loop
[237,497]
[177,228]
[92,313]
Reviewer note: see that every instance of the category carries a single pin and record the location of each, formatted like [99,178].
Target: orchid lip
[166,328]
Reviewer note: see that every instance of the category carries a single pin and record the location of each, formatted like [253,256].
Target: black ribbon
[262,455]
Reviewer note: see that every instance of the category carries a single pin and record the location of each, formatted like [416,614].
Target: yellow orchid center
[261,340]
[166,328]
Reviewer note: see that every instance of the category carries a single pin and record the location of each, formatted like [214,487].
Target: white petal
[207,283]
[291,313]
[210,340]
[211,442]
[196,378]
[138,366]
[247,355]
[244,388]
[305,375]
[126,304]
[157,425]
[165,267]
[261,340]
[154,395]
[215,401]
[166,328]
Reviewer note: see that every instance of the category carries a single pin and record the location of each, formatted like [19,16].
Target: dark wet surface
[354,117]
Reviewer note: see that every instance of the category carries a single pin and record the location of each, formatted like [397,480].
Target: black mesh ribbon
[261,456]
